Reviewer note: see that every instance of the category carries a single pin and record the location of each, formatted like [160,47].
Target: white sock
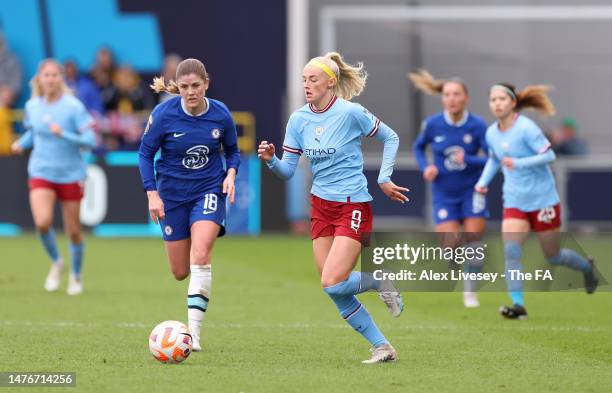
[198,295]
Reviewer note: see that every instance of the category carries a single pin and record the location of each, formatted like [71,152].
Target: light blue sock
[512,253]
[50,244]
[571,259]
[355,314]
[361,282]
[76,251]
[357,283]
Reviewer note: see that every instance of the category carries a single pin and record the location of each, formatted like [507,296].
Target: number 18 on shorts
[177,223]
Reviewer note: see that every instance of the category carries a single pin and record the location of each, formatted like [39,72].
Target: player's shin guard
[198,295]
[512,253]
[50,244]
[571,259]
[473,265]
[76,253]
[356,315]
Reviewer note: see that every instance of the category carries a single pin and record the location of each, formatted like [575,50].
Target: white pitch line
[142,325]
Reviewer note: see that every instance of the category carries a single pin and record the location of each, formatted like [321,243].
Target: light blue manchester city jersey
[331,140]
[527,188]
[57,159]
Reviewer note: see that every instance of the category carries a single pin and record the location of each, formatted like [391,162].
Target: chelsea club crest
[216,133]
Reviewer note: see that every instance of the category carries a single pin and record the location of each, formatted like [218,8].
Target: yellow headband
[325,68]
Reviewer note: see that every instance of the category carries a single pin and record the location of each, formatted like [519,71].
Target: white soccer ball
[170,342]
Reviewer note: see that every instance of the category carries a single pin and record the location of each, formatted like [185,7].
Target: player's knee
[329,283]
[180,274]
[75,237]
[200,256]
[43,226]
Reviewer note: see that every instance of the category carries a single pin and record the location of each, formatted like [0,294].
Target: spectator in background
[121,128]
[565,140]
[84,88]
[171,62]
[129,96]
[103,73]
[10,87]
[10,75]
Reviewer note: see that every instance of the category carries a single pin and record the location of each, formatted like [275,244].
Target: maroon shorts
[64,192]
[350,219]
[541,220]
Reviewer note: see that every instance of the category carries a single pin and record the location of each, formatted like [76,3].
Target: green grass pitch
[270,328]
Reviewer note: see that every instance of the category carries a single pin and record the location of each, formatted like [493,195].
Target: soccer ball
[170,342]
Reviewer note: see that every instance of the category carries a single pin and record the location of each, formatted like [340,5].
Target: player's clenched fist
[265,151]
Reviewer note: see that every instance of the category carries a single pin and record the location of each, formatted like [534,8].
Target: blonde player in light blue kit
[328,130]
[58,128]
[518,146]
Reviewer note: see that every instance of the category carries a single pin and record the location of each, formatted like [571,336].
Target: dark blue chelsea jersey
[190,163]
[447,139]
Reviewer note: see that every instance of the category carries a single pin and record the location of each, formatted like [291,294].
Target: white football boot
[470,300]
[52,282]
[392,298]
[75,285]
[382,354]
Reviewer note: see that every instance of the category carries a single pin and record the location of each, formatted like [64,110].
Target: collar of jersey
[329,105]
[199,114]
[449,120]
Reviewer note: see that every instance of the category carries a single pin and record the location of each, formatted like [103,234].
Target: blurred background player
[530,196]
[188,195]
[328,129]
[58,128]
[456,137]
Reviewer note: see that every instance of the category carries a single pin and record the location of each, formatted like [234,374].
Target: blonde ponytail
[185,67]
[351,78]
[159,85]
[424,81]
